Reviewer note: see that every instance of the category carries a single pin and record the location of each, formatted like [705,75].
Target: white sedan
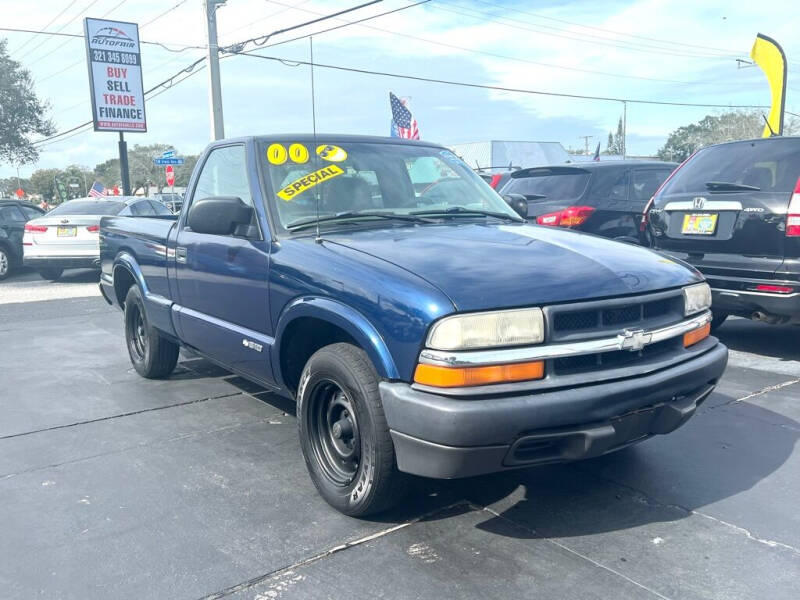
[68,236]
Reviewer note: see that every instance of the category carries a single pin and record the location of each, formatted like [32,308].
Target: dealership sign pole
[115,79]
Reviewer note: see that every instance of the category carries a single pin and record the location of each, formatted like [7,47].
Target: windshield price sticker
[276,154]
[331,153]
[115,75]
[309,181]
[298,153]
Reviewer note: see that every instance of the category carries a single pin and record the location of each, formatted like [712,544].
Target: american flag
[597,153]
[97,191]
[404,125]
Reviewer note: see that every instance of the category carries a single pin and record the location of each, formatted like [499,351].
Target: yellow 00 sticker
[309,181]
[298,153]
[331,153]
[276,154]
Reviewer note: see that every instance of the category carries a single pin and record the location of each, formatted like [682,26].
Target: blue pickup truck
[422,326]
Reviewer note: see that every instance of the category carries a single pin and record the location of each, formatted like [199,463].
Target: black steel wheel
[343,432]
[152,355]
[51,273]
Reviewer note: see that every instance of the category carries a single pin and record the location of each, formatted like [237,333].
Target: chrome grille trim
[627,339]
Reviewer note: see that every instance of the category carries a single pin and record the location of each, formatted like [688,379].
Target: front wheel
[152,355]
[343,432]
[51,273]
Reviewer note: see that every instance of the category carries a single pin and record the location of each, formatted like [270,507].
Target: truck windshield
[359,180]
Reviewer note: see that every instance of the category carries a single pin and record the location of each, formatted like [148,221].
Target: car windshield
[552,184]
[88,207]
[771,165]
[385,178]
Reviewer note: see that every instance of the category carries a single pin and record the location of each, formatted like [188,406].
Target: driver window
[224,174]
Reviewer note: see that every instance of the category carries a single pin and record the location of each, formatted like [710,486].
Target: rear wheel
[343,432]
[152,355]
[718,318]
[51,273]
[5,263]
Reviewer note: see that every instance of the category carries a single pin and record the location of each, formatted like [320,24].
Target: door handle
[180,254]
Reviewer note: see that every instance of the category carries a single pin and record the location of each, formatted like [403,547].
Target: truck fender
[158,308]
[346,318]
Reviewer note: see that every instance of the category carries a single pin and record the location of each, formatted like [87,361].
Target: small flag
[97,191]
[597,153]
[404,125]
[115,191]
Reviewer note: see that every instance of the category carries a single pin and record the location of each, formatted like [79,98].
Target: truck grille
[606,318]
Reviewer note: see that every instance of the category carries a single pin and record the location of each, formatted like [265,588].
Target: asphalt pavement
[112,486]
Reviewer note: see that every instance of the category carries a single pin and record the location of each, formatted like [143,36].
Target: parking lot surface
[113,486]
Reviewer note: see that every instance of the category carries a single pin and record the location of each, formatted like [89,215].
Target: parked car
[174,202]
[13,216]
[496,177]
[733,211]
[427,332]
[604,198]
[67,236]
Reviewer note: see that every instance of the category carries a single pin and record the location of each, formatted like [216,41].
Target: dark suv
[605,198]
[13,216]
[733,211]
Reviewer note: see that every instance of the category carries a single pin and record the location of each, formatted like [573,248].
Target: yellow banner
[306,182]
[768,55]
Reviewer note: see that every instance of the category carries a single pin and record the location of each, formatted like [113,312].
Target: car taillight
[495,180]
[35,228]
[646,212]
[569,217]
[93,228]
[775,289]
[793,214]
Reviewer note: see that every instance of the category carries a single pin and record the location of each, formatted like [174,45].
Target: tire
[353,468]
[5,263]
[152,355]
[51,273]
[718,318]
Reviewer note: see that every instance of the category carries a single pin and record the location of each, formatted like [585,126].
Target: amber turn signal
[448,377]
[696,335]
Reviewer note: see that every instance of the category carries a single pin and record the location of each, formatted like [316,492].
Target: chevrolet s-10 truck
[422,326]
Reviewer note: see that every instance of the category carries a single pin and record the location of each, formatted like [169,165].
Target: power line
[269,16]
[514,58]
[499,88]
[46,54]
[80,35]
[53,20]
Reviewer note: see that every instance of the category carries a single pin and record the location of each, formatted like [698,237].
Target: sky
[664,50]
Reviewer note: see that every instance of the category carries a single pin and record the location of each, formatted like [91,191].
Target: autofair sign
[115,75]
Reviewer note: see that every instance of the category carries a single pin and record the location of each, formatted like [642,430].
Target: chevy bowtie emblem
[698,202]
[634,339]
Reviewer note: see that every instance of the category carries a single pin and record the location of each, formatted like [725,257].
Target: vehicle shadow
[79,276]
[775,341]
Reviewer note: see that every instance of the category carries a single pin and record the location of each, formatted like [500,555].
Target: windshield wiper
[353,214]
[460,210]
[730,185]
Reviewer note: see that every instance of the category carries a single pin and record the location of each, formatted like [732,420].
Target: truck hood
[488,266]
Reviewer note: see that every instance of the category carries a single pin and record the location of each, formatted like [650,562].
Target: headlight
[488,329]
[696,298]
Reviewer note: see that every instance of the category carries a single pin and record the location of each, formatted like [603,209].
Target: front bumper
[62,262]
[445,437]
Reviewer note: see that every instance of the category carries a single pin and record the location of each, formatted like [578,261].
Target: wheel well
[123,280]
[301,338]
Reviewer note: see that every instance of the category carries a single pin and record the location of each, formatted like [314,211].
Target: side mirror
[518,202]
[220,215]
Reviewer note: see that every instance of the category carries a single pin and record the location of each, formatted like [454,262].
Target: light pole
[214,91]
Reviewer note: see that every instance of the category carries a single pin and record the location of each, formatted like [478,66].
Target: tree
[715,129]
[142,169]
[616,143]
[43,182]
[21,112]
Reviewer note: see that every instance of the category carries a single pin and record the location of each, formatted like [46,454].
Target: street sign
[169,171]
[115,75]
[168,154]
[168,161]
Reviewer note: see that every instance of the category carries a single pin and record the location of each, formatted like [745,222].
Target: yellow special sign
[298,153]
[331,153]
[276,154]
[309,181]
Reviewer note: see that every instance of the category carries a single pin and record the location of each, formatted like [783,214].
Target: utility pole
[586,139]
[624,128]
[214,90]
